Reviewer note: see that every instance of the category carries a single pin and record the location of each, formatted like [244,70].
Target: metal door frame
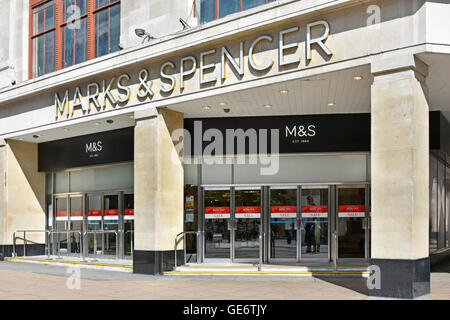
[69,211]
[119,195]
[202,222]
[122,217]
[331,216]
[56,242]
[297,223]
[366,219]
[87,194]
[262,217]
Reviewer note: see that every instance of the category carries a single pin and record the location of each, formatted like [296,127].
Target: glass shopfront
[311,205]
[90,192]
[294,222]
[103,218]
[334,223]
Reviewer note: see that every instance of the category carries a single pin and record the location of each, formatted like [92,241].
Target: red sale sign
[248,212]
[352,211]
[61,213]
[217,212]
[76,213]
[315,211]
[94,213]
[129,212]
[112,212]
[284,211]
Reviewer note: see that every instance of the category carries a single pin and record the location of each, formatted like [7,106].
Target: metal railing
[184,233]
[68,233]
[25,240]
[335,249]
[132,239]
[262,237]
[95,232]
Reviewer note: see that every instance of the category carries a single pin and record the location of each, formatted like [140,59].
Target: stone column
[159,189]
[22,197]
[2,196]
[400,165]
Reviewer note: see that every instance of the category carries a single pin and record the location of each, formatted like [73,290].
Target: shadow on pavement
[358,285]
[440,262]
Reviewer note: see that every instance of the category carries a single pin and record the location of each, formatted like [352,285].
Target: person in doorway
[317,232]
[309,229]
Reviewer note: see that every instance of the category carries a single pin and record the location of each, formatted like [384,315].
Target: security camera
[13,82]
[120,46]
[226,110]
[141,33]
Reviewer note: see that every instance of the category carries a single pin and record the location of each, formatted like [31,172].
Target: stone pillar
[400,165]
[159,188]
[2,196]
[22,197]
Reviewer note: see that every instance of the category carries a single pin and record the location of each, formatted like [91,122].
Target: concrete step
[361,271]
[106,265]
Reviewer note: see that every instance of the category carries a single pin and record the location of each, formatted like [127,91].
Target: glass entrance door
[62,225]
[247,214]
[315,223]
[110,222]
[217,224]
[76,223]
[128,224]
[94,223]
[351,222]
[283,222]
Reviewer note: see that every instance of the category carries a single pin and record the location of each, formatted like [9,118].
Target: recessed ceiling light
[110,121]
[206,107]
[65,129]
[357,78]
[37,136]
[284,91]
[131,117]
[97,123]
[223,104]
[331,104]
[268,106]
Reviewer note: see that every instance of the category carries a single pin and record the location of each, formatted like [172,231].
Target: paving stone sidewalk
[40,282]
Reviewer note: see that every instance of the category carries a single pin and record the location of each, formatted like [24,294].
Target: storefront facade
[287,131]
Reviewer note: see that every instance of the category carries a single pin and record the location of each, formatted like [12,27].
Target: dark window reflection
[207,10]
[227,7]
[107,30]
[248,4]
[351,232]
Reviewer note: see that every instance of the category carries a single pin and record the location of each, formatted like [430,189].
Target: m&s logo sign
[96,146]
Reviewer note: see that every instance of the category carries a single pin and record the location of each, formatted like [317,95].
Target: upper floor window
[67,32]
[74,32]
[215,9]
[43,38]
[107,26]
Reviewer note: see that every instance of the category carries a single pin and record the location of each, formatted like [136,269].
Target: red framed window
[215,9]
[74,32]
[43,38]
[68,32]
[107,26]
